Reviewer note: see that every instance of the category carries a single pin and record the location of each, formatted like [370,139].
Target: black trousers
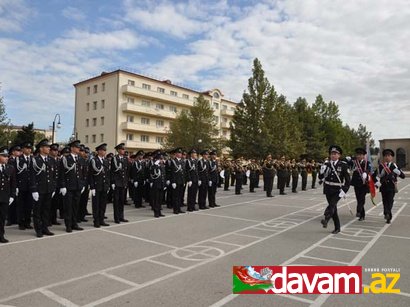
[138,193]
[288,179]
[238,185]
[3,214]
[24,207]
[119,201]
[212,194]
[177,197]
[268,185]
[156,200]
[252,182]
[331,209]
[170,190]
[202,191]
[226,180]
[99,204]
[388,200]
[192,192]
[70,203]
[281,184]
[314,176]
[41,212]
[361,199]
[12,212]
[55,205]
[295,179]
[82,207]
[233,179]
[304,180]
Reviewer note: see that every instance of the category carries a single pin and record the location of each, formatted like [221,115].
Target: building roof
[397,139]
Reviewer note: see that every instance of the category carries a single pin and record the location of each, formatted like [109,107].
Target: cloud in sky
[352,52]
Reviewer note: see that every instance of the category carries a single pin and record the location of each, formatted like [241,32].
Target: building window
[93,137]
[232,109]
[160,139]
[101,137]
[86,138]
[225,120]
[94,121]
[145,138]
[224,107]
[224,133]
[216,119]
[144,121]
[161,90]
[103,87]
[145,103]
[173,109]
[146,86]
[87,122]
[130,137]
[130,118]
[216,95]
[131,82]
[88,106]
[94,105]
[185,96]
[216,105]
[95,89]
[160,123]
[159,106]
[130,100]
[173,93]
[102,104]
[102,120]
[88,90]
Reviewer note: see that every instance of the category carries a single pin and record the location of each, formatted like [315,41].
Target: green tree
[194,128]
[26,134]
[5,133]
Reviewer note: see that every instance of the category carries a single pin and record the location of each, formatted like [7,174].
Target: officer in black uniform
[361,170]
[282,175]
[268,175]
[213,179]
[295,175]
[388,172]
[157,183]
[72,182]
[203,179]
[192,178]
[56,201]
[119,180]
[15,152]
[138,177]
[336,178]
[43,185]
[82,208]
[7,189]
[99,182]
[315,167]
[177,181]
[303,174]
[168,179]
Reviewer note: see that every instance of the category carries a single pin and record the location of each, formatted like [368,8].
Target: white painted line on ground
[339,248]
[345,239]
[61,300]
[397,237]
[122,280]
[227,243]
[249,236]
[400,293]
[165,264]
[323,259]
[297,298]
[228,217]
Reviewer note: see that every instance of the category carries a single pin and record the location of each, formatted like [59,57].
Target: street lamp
[54,125]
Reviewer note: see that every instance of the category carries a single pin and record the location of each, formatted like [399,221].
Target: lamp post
[199,144]
[54,125]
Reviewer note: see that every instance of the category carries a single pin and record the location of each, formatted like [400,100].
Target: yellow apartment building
[125,107]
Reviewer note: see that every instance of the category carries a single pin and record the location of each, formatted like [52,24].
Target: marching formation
[54,183]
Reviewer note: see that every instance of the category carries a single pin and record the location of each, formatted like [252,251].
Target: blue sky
[352,52]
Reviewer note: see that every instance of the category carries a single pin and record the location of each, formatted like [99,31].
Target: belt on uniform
[336,184]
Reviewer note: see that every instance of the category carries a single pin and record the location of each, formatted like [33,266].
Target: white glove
[151,184]
[93,192]
[157,162]
[35,196]
[189,183]
[364,176]
[11,200]
[174,185]
[199,183]
[378,184]
[63,191]
[342,194]
[210,183]
[52,195]
[348,158]
[113,186]
[396,171]
[136,184]
[17,191]
[82,190]
[167,182]
[323,169]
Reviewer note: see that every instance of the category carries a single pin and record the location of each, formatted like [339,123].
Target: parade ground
[187,259]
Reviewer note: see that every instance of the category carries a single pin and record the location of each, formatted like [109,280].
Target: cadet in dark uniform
[203,174]
[15,152]
[99,181]
[213,179]
[192,179]
[303,174]
[268,175]
[239,173]
[361,170]
[72,181]
[295,175]
[157,183]
[388,173]
[7,189]
[168,179]
[177,181]
[336,183]
[82,208]
[315,168]
[227,166]
[138,177]
[43,185]
[119,180]
[56,202]
[282,175]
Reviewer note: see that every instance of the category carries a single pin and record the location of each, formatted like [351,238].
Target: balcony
[227,112]
[225,125]
[142,145]
[144,128]
[135,108]
[138,91]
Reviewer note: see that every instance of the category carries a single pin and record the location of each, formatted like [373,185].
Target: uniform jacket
[99,174]
[7,183]
[43,175]
[119,171]
[72,174]
[332,183]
